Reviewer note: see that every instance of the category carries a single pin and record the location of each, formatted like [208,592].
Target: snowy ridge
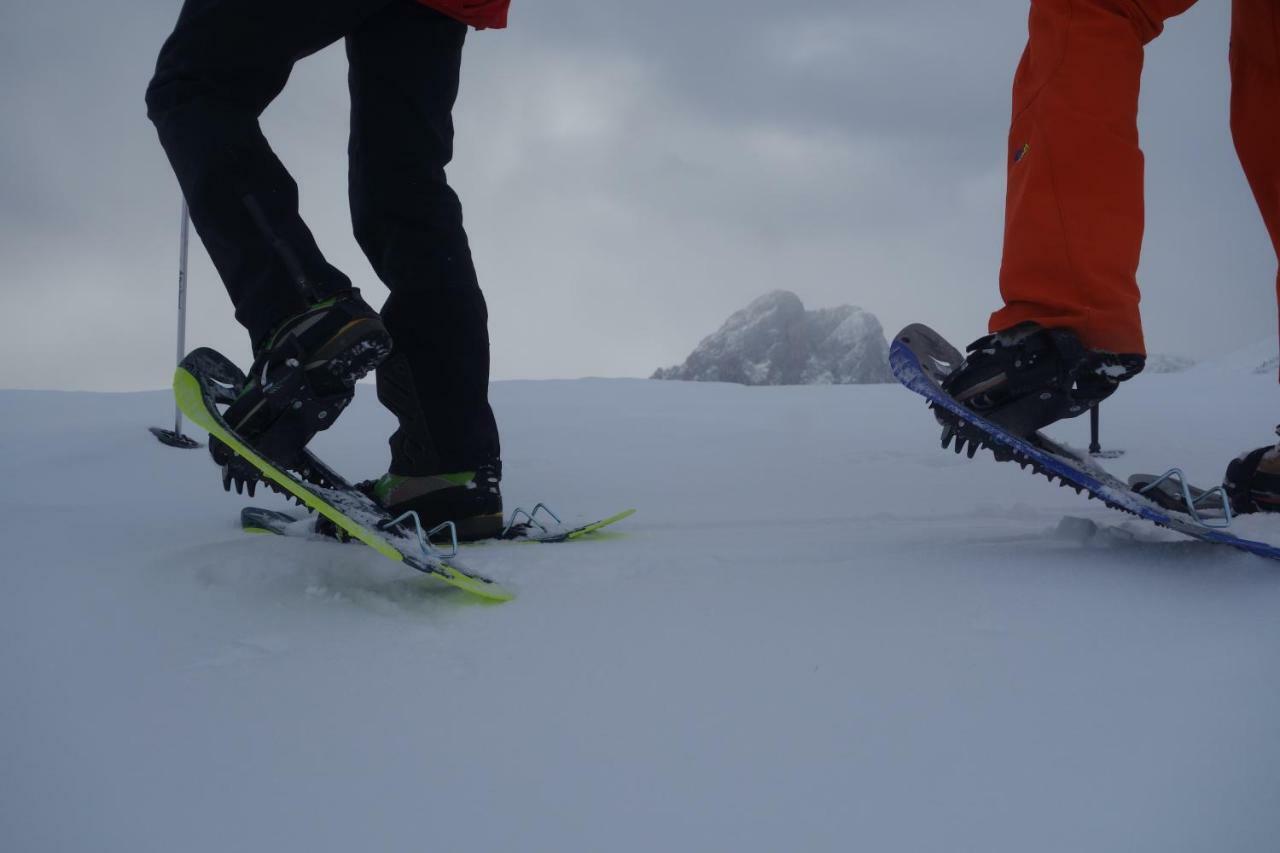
[1261,357]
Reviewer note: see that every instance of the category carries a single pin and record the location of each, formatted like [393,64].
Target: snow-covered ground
[820,633]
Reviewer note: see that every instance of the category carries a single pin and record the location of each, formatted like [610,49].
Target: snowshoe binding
[301,380]
[1028,377]
[472,500]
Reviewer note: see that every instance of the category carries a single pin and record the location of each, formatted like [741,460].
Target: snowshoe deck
[202,380]
[580,532]
[920,359]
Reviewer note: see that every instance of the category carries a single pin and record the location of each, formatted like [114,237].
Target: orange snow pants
[1074,209]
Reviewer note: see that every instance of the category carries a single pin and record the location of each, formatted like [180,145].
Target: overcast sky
[631,173]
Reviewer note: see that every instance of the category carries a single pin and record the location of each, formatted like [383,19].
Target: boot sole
[479,527]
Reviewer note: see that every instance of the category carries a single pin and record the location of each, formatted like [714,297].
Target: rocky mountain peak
[775,341]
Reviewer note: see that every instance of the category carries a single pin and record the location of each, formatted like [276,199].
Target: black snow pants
[224,63]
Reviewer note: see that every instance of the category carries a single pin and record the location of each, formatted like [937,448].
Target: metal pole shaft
[182,303]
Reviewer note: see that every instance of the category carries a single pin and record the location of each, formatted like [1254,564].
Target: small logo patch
[1022,152]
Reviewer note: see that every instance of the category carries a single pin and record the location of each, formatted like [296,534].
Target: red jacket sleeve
[481,14]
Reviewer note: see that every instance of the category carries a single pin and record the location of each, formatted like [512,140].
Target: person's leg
[224,63]
[404,67]
[1253,479]
[1255,104]
[1074,209]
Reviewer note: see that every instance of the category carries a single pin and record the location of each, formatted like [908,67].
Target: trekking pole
[174,437]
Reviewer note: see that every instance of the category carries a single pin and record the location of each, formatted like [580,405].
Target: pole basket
[174,439]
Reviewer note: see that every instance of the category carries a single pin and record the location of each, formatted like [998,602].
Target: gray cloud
[632,173]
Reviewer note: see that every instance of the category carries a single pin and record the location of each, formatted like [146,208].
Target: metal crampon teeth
[243,477]
[231,478]
[964,435]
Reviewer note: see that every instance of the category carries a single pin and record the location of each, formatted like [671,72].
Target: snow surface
[820,633]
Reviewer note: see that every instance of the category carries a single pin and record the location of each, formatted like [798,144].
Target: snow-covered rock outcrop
[775,341]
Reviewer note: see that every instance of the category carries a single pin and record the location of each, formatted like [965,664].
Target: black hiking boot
[472,500]
[1028,377]
[301,380]
[1253,480]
